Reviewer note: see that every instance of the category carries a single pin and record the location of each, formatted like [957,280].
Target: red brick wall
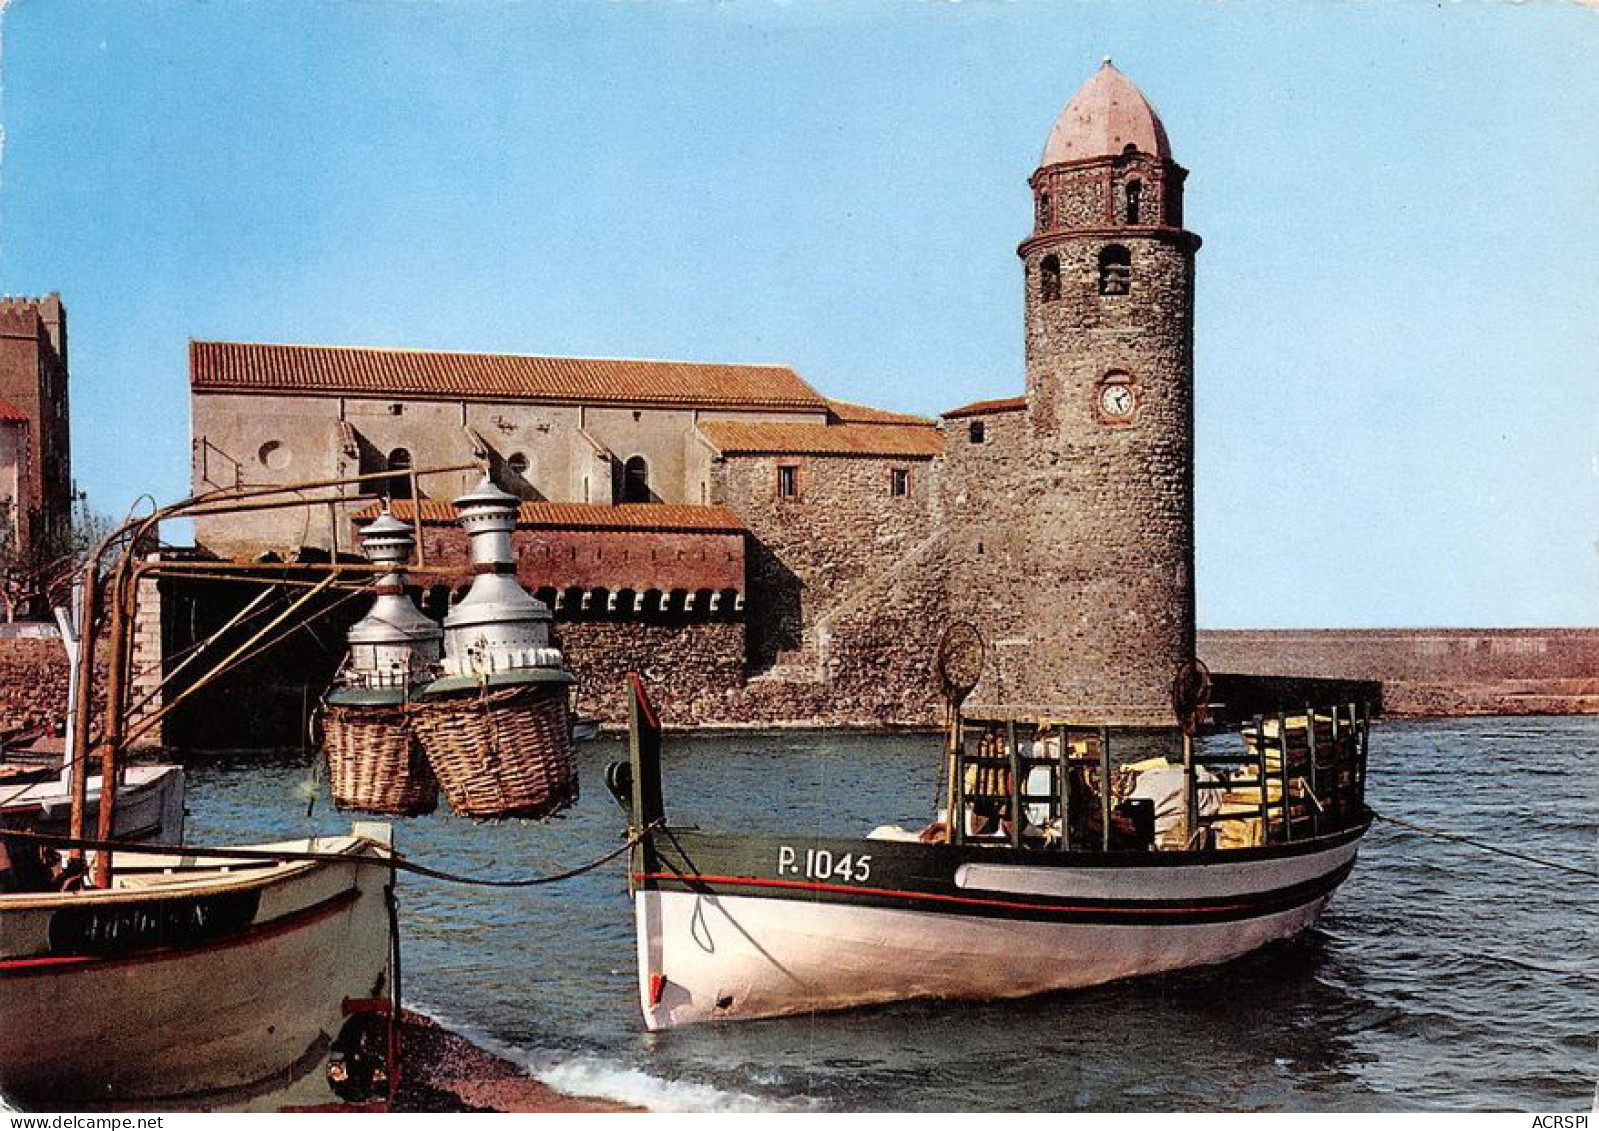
[33,377]
[608,559]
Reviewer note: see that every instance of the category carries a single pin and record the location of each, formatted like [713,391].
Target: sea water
[1442,976]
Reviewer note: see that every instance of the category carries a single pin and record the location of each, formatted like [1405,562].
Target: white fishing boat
[1062,869]
[194,980]
[149,804]
[150,976]
[36,781]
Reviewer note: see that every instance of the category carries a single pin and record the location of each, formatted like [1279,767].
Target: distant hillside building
[35,441]
[769,554]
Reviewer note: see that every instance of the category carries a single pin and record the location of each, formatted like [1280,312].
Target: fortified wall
[1430,672]
[36,473]
[697,671]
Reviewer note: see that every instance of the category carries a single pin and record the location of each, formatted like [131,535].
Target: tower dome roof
[1107,115]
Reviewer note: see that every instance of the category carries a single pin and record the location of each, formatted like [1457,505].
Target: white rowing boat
[193,980]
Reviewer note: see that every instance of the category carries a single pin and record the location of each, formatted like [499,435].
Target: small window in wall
[787,481]
[1135,201]
[1115,270]
[1049,278]
[976,432]
[899,482]
[399,482]
[636,481]
[518,463]
[1046,212]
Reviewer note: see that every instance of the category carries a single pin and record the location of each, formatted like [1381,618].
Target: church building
[768,554]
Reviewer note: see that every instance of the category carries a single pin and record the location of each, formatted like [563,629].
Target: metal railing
[1057,786]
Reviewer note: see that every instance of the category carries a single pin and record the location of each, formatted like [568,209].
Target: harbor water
[1441,977]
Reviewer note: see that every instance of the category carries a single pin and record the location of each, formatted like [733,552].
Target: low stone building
[716,524]
[554,429]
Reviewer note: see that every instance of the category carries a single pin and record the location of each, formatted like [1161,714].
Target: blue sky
[1398,403]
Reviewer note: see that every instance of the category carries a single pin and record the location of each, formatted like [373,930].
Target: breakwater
[1424,672]
[1429,673]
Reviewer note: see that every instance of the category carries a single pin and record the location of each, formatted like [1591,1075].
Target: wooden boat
[149,804]
[193,979]
[173,977]
[1081,890]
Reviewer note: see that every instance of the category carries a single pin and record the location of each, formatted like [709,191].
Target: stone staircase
[807,664]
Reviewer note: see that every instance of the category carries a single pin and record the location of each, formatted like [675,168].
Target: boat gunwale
[1004,854]
[207,875]
[298,919]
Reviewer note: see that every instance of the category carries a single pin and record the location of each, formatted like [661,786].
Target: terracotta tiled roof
[983,408]
[1108,114]
[584,516]
[11,414]
[847,412]
[916,441]
[255,367]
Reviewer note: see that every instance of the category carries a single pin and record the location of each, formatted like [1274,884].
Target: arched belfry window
[636,481]
[1135,201]
[1115,270]
[399,481]
[1049,278]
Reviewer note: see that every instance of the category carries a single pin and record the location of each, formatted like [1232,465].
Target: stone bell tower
[1109,270]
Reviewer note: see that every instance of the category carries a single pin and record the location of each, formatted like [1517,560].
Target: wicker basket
[375,763]
[501,751]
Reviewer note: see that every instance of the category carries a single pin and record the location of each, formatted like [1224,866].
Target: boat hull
[244,993]
[149,807]
[735,928]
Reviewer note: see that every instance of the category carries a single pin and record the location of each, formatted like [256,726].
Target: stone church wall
[823,551]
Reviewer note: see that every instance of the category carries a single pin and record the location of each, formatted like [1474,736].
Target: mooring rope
[274,856]
[1586,873]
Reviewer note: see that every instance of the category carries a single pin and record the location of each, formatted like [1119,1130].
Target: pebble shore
[443,1072]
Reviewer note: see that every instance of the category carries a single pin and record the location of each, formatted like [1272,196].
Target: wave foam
[597,1078]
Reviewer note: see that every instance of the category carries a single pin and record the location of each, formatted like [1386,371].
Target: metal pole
[1104,788]
[81,713]
[957,791]
[1191,793]
[68,620]
[1282,771]
[1260,762]
[1365,735]
[1065,758]
[1013,757]
[1315,781]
